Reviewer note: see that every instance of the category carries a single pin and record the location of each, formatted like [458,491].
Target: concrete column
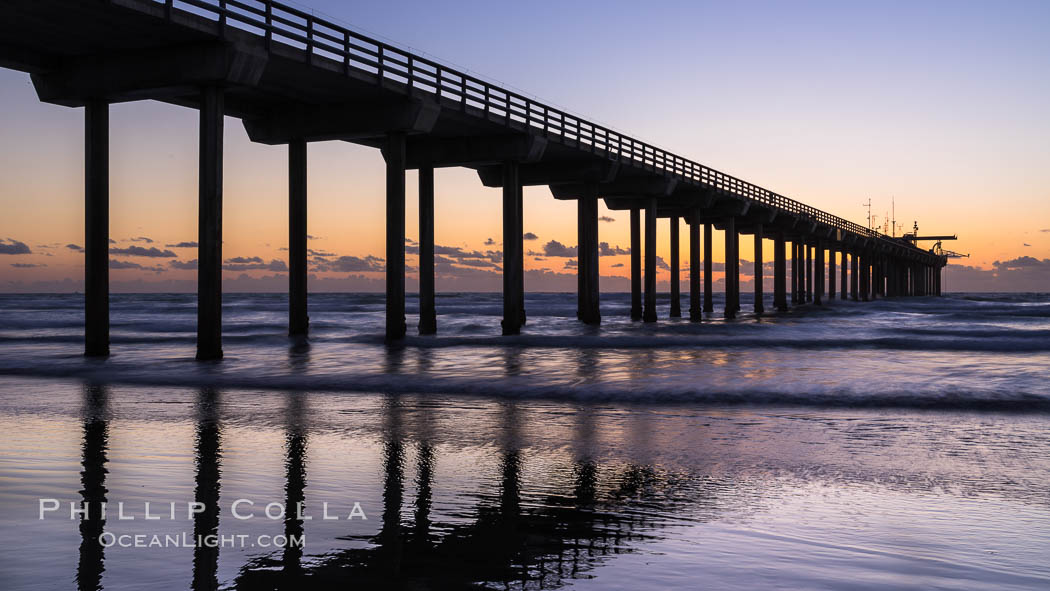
[844,287]
[779,274]
[394,152]
[854,272]
[298,320]
[818,277]
[794,272]
[427,295]
[676,289]
[832,263]
[520,270]
[732,260]
[587,255]
[696,312]
[808,253]
[209,226]
[649,314]
[512,246]
[96,228]
[759,307]
[875,277]
[865,276]
[709,305]
[636,264]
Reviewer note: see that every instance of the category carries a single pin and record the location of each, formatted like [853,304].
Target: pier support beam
[794,272]
[209,226]
[759,307]
[818,277]
[427,295]
[298,320]
[844,287]
[520,268]
[709,305]
[96,229]
[854,271]
[696,313]
[808,256]
[587,255]
[394,153]
[865,276]
[512,246]
[831,274]
[636,264]
[676,288]
[779,274]
[649,313]
[732,261]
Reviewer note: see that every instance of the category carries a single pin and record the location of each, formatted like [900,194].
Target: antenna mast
[868,205]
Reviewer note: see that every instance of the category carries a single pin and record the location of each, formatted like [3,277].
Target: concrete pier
[709,305]
[636,264]
[96,228]
[209,225]
[298,320]
[732,261]
[512,243]
[427,295]
[759,307]
[676,289]
[649,313]
[696,311]
[779,274]
[290,83]
[394,153]
[587,255]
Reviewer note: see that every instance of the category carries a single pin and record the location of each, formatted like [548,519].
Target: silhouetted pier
[293,78]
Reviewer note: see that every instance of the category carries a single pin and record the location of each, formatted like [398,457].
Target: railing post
[636,264]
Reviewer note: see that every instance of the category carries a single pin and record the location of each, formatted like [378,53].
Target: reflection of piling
[208,459]
[295,485]
[93,487]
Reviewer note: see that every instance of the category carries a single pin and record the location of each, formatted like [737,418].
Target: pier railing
[280,23]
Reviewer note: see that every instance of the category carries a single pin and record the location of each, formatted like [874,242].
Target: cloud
[1045,230]
[27,265]
[606,218]
[350,264]
[12,246]
[112,241]
[557,249]
[617,265]
[317,253]
[254,264]
[529,236]
[1026,244]
[118,264]
[571,264]
[141,239]
[311,237]
[183,244]
[138,251]
[1022,262]
[660,263]
[183,265]
[490,242]
[75,247]
[605,251]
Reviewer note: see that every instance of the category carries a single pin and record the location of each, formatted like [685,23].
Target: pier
[292,78]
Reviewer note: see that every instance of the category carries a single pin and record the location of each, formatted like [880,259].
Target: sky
[937,107]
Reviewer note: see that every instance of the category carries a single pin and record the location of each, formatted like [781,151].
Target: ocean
[894,444]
